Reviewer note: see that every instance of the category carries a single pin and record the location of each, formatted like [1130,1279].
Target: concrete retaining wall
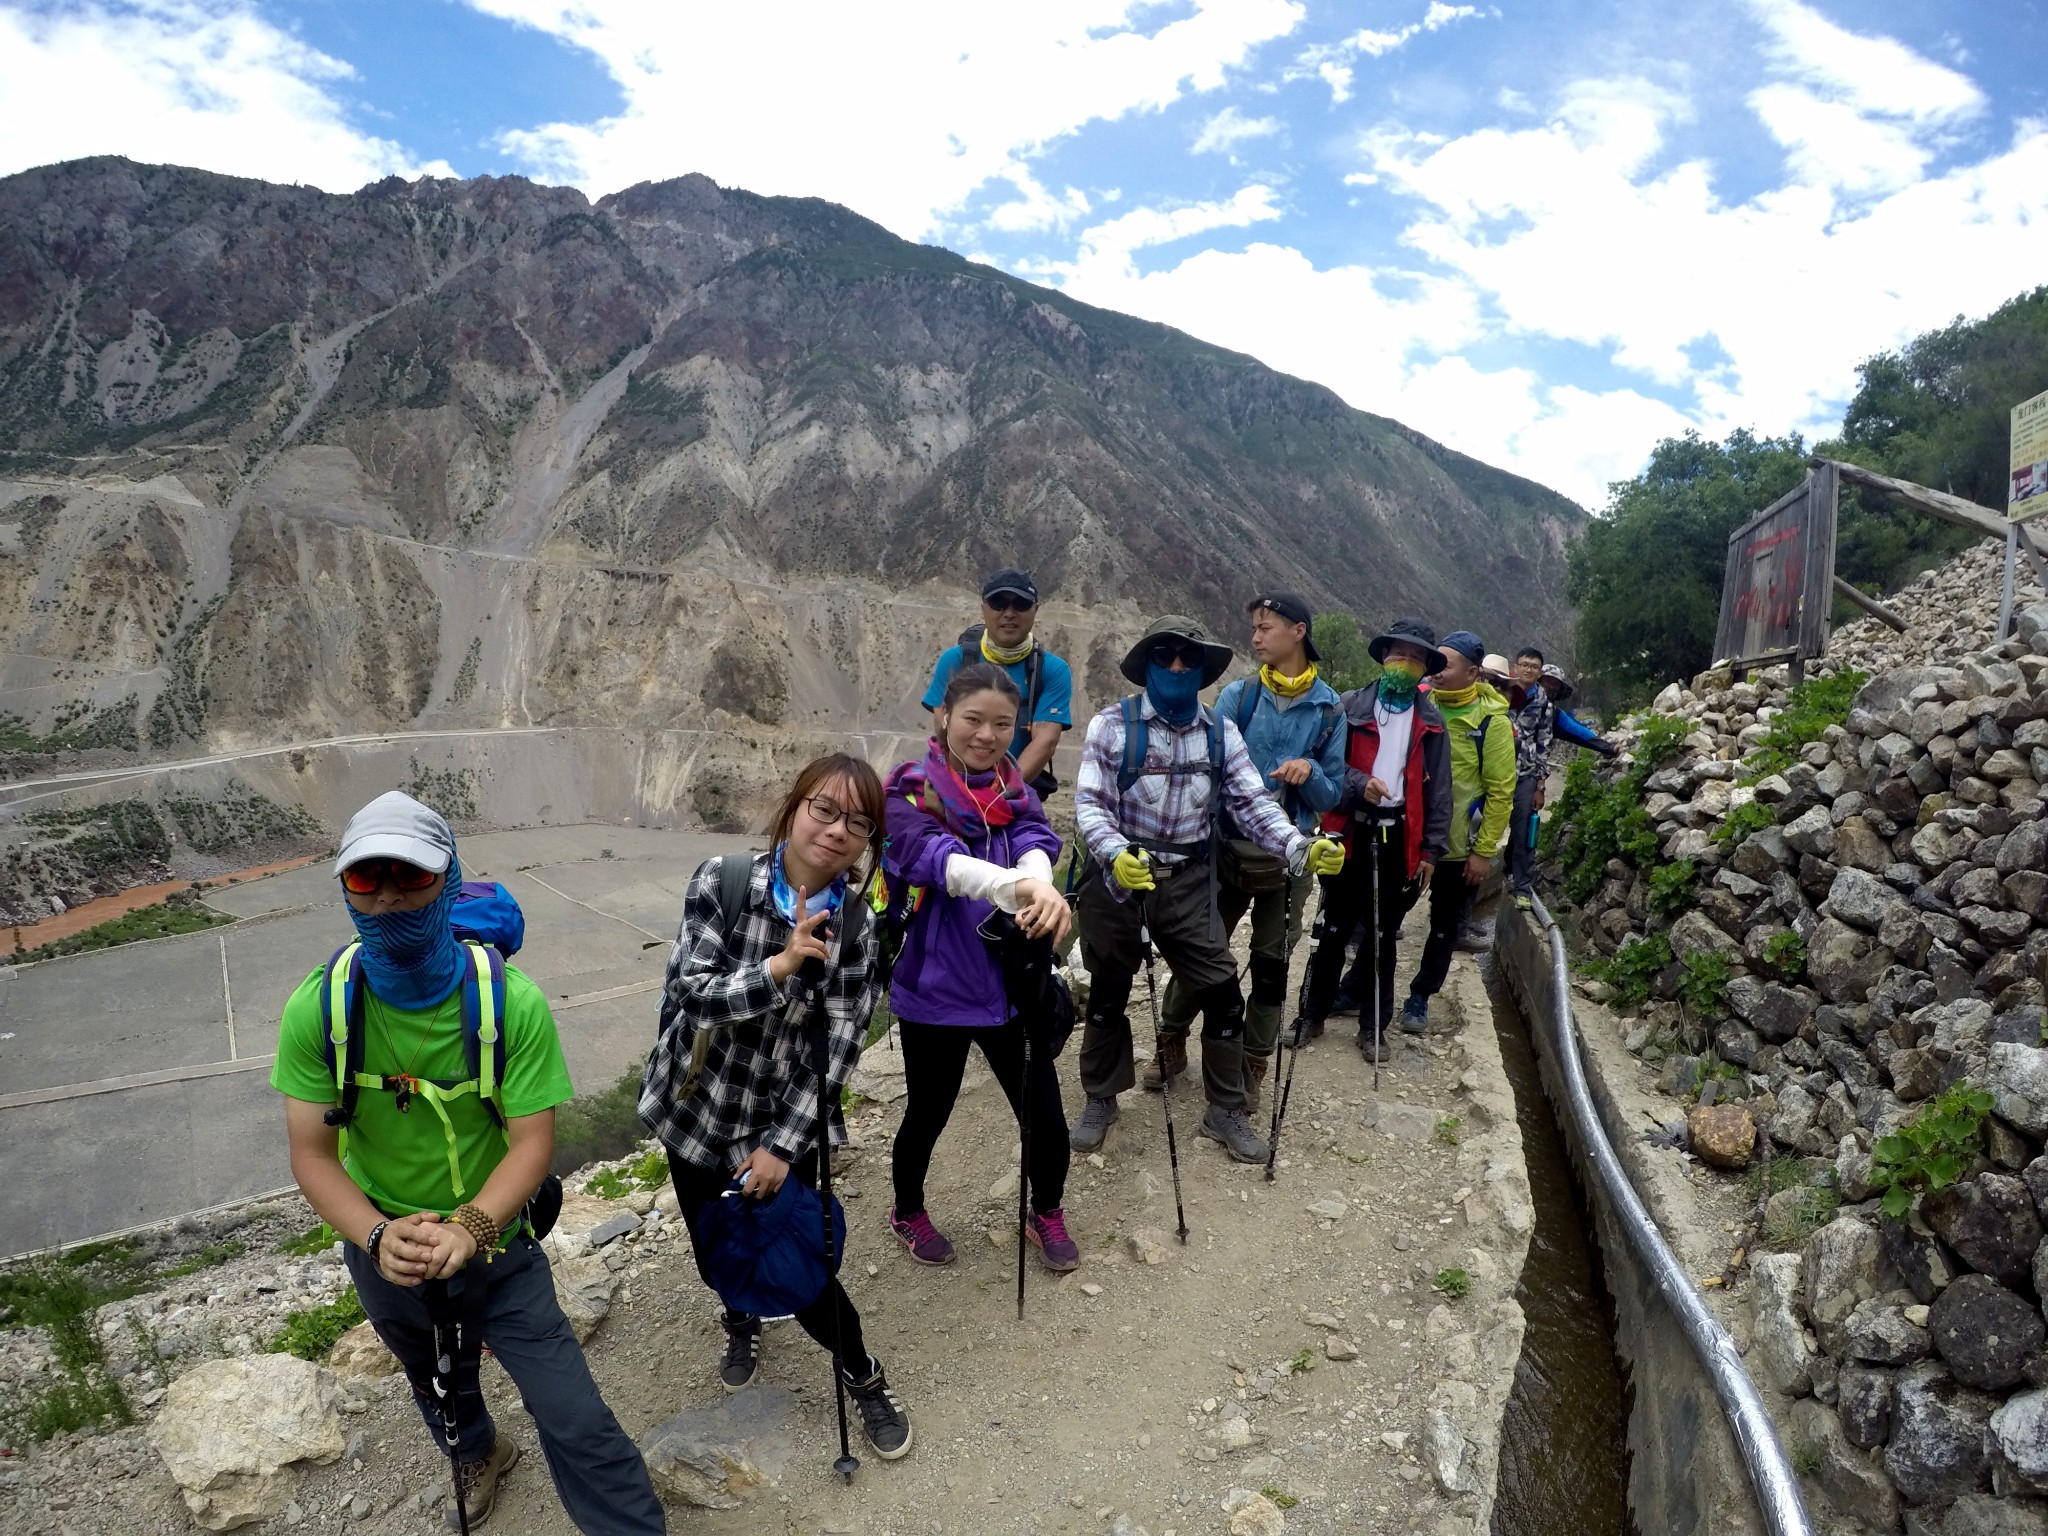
[1686,1477]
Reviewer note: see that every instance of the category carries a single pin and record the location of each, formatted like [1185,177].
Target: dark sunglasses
[831,811]
[1010,602]
[367,877]
[1164,652]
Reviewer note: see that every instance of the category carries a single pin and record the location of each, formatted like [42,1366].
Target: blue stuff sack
[767,1257]
[488,913]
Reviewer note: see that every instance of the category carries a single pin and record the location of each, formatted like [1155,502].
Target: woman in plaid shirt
[730,1088]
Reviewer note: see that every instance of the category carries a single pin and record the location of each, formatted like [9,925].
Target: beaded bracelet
[478,1224]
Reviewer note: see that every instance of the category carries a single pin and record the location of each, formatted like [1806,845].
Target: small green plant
[1280,1499]
[1704,986]
[1447,1130]
[1671,887]
[1813,1209]
[1302,1362]
[1805,1459]
[1930,1151]
[1785,953]
[1454,1283]
[1749,817]
[210,1257]
[607,1184]
[1805,716]
[1631,968]
[183,913]
[1786,1172]
[312,1333]
[308,1243]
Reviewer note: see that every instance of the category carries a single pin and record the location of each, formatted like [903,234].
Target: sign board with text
[1778,589]
[2027,491]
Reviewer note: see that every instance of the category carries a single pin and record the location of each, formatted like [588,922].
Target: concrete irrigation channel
[1422,1325]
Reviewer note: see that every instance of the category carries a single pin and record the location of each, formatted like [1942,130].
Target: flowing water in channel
[1564,1456]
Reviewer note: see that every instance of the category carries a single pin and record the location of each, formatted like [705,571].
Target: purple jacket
[946,974]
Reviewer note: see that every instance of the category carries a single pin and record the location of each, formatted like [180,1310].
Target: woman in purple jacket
[969,835]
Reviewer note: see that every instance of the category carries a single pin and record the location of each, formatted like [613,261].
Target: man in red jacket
[1395,816]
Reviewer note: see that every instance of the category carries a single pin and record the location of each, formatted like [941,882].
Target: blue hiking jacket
[1274,735]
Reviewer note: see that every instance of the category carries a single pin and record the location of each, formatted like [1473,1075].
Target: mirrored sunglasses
[367,877]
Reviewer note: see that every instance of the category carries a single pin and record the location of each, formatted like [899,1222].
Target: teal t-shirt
[401,1160]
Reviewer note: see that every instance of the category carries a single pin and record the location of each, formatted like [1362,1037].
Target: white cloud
[1229,128]
[902,116]
[1331,62]
[189,82]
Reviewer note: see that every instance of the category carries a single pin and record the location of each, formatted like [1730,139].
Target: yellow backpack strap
[487,1027]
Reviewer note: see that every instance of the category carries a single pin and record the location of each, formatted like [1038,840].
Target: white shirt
[1390,763]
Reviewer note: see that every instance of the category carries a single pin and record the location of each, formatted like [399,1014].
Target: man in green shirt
[427,1184]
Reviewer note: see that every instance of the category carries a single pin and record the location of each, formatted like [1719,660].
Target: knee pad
[1269,979]
[1222,1011]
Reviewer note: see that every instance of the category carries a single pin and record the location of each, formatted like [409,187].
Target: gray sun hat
[1178,626]
[396,826]
[1553,676]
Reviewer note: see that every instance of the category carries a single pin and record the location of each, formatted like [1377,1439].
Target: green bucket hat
[1178,626]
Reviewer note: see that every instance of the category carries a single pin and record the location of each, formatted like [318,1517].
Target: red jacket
[1426,779]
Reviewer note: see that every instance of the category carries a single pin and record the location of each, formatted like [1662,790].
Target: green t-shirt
[401,1160]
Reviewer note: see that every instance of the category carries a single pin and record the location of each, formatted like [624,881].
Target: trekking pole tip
[846,1466]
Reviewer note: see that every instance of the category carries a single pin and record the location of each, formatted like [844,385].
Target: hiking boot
[1048,1233]
[1172,1060]
[1476,938]
[1311,1029]
[1255,1069]
[742,1361]
[927,1244]
[1345,1004]
[1415,1016]
[1377,1051]
[1093,1126]
[882,1418]
[480,1483]
[1233,1127]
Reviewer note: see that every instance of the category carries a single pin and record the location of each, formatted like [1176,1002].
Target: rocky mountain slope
[276,463]
[1838,958]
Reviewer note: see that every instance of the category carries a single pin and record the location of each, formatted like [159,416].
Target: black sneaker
[882,1418]
[742,1351]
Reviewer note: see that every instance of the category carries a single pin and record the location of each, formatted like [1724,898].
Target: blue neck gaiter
[413,959]
[1173,694]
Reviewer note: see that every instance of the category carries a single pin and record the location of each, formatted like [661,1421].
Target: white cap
[396,826]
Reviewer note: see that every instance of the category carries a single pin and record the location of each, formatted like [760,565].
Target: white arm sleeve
[1035,865]
[968,876]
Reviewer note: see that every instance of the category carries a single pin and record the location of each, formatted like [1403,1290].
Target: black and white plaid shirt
[758,1086]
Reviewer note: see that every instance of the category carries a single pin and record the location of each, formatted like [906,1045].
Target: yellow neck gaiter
[1455,698]
[1288,687]
[1004,658]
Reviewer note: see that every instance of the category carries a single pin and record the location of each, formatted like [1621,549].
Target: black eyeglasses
[1010,602]
[830,812]
[1164,652]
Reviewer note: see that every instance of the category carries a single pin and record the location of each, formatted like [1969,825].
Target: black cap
[1292,607]
[1415,632]
[1018,582]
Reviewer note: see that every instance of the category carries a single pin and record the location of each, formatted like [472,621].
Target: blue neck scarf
[1173,694]
[413,959]
[784,893]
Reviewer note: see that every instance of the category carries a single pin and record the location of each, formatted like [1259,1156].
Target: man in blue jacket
[1293,727]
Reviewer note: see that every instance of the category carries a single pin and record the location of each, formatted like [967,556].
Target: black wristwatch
[376,1236]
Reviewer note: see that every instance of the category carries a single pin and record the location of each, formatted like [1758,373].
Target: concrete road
[134,1082]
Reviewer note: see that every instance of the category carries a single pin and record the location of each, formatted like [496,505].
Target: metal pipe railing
[1770,1469]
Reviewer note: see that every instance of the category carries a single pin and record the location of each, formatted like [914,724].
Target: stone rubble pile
[1908,853]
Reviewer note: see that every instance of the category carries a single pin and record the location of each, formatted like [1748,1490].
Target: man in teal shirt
[433,1185]
[1004,638]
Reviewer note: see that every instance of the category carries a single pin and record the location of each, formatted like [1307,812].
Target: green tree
[1346,663]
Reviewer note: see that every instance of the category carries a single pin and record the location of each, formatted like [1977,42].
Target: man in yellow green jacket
[1482,743]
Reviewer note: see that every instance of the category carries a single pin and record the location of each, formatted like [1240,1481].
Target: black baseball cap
[1292,607]
[1013,581]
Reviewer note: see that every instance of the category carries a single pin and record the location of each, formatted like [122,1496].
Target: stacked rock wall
[1908,853]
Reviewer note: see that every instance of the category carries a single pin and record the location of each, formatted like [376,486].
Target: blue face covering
[413,959]
[784,893]
[1173,694]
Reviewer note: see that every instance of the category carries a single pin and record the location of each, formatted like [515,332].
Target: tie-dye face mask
[1398,680]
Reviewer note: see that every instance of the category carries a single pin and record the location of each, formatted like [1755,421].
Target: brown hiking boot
[1255,1068]
[480,1483]
[1172,1061]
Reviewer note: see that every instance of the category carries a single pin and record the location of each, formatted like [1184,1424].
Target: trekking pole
[1294,1051]
[1023,1149]
[813,998]
[1165,1079]
[1374,835]
[447,1344]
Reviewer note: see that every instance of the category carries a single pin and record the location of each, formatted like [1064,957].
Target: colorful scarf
[1399,679]
[784,893]
[992,652]
[413,959]
[969,811]
[1288,687]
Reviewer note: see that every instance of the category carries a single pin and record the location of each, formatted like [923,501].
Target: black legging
[697,1187]
[934,1060]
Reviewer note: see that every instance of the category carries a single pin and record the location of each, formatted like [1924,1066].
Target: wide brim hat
[1496,666]
[1178,626]
[1415,632]
[1559,689]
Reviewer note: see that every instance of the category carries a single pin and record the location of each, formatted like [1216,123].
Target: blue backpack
[763,1256]
[491,928]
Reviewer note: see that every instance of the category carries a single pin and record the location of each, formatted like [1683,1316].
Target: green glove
[1325,856]
[1132,869]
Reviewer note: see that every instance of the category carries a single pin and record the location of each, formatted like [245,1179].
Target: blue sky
[1546,234]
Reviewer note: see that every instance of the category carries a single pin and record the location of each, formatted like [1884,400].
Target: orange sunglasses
[367,877]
